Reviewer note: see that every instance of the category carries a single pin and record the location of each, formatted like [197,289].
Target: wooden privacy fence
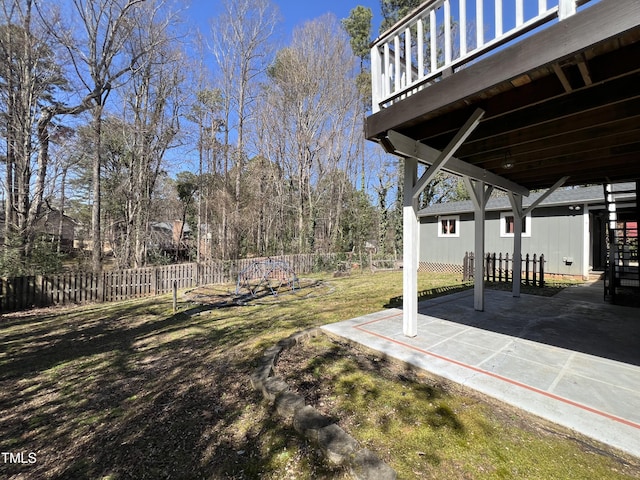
[499,268]
[21,293]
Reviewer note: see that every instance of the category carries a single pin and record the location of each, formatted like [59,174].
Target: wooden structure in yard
[535,98]
[263,275]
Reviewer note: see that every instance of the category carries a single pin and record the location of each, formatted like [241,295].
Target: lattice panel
[439,267]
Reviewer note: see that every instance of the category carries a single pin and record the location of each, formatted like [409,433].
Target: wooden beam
[513,111]
[584,71]
[522,143]
[448,152]
[562,77]
[407,147]
[605,159]
[501,103]
[543,197]
[583,105]
[479,202]
[578,148]
[480,194]
[622,169]
[518,216]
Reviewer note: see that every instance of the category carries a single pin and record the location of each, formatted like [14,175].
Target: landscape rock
[308,421]
[272,387]
[337,445]
[287,403]
[366,465]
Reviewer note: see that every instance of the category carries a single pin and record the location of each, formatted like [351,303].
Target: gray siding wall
[445,250]
[554,233]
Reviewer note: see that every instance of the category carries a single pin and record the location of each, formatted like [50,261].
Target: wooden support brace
[402,145]
[542,197]
[562,77]
[448,152]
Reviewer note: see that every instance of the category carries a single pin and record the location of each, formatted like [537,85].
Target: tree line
[120,115]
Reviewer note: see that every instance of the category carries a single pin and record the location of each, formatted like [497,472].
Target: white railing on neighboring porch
[441,36]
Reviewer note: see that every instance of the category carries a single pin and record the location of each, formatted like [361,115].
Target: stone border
[337,445]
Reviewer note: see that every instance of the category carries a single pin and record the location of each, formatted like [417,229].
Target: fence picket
[533,265]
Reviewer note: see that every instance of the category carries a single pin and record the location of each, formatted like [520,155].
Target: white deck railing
[443,35]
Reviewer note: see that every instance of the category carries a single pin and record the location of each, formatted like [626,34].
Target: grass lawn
[131,391]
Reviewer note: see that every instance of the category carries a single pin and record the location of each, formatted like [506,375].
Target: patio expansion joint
[445,339]
[561,373]
[496,353]
[592,378]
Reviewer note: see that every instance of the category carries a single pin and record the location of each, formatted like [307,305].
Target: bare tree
[104,49]
[313,109]
[205,115]
[153,101]
[240,43]
[280,203]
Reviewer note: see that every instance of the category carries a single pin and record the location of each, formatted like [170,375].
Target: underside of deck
[564,101]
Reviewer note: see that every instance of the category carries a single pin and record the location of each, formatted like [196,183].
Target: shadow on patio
[575,319]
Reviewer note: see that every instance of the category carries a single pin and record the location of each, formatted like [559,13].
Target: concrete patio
[570,358]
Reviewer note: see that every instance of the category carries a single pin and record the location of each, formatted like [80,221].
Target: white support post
[397,75]
[412,189]
[377,88]
[463,27]
[519,13]
[479,23]
[542,6]
[479,193]
[410,247]
[586,242]
[566,8]
[498,18]
[407,57]
[420,50]
[448,50]
[433,50]
[518,218]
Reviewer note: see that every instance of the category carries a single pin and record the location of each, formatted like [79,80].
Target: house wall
[555,232]
[50,225]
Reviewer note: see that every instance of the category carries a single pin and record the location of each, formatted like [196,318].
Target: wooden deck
[562,101]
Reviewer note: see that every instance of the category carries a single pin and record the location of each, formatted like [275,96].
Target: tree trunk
[96,232]
[63,182]
[9,220]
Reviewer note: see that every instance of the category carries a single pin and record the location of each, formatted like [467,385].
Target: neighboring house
[568,227]
[55,226]
[163,237]
[166,237]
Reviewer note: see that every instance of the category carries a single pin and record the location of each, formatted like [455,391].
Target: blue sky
[293,12]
